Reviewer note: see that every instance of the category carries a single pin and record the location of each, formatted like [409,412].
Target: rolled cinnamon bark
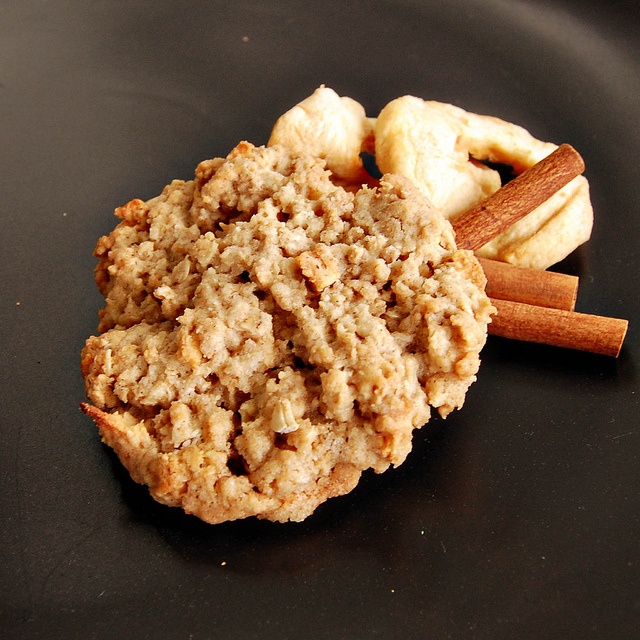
[533,305]
[531,286]
[558,327]
[483,222]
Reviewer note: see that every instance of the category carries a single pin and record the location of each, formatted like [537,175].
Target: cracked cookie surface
[267,335]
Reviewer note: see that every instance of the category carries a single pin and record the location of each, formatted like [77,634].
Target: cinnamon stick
[531,286]
[558,327]
[534,305]
[476,226]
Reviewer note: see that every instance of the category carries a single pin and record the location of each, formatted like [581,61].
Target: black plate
[517,517]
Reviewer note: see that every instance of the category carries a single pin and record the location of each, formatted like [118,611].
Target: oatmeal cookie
[268,335]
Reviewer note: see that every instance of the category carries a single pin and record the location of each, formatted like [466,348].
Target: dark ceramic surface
[517,517]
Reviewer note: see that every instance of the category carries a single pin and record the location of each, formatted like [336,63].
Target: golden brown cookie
[268,335]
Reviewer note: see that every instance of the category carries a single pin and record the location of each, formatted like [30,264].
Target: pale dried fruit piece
[440,148]
[420,140]
[330,127]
